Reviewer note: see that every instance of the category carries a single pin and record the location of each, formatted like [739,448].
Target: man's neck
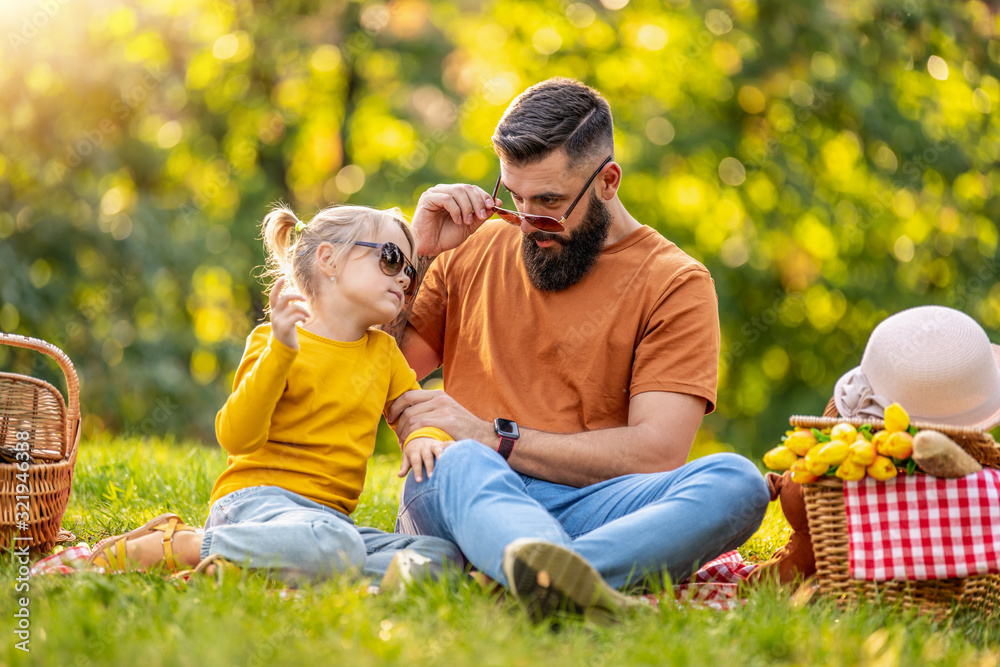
[622,223]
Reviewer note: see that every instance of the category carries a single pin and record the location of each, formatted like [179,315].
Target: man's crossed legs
[628,528]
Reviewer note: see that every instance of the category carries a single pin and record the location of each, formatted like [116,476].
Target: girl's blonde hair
[296,260]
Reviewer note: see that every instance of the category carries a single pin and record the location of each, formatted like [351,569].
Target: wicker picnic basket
[827,516]
[32,501]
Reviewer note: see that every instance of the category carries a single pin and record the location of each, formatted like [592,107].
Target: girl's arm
[243,422]
[424,445]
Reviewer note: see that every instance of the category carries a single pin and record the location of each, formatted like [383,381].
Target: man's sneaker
[406,567]
[547,579]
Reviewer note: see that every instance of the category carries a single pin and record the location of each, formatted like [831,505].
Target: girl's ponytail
[276,231]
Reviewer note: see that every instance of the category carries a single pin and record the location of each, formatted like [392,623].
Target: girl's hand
[287,310]
[420,453]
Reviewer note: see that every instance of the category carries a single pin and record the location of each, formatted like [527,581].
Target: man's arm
[658,437]
[445,217]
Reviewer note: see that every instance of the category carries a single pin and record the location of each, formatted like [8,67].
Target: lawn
[140,619]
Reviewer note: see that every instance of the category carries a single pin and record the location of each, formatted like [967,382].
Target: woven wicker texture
[33,411]
[828,528]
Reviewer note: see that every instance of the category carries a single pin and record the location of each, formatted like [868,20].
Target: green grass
[140,619]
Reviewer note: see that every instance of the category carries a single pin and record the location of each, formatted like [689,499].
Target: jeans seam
[412,500]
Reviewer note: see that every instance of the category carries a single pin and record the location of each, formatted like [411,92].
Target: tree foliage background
[831,162]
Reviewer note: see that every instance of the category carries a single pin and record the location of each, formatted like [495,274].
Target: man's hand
[421,453]
[446,215]
[287,310]
[420,407]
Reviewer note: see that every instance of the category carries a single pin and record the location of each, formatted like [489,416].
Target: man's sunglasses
[391,260]
[544,223]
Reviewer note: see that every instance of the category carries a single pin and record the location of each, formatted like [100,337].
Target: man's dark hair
[558,113]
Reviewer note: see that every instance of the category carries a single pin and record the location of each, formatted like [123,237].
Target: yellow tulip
[882,469]
[800,442]
[896,418]
[833,453]
[844,432]
[900,446]
[814,465]
[780,458]
[801,474]
[880,440]
[862,452]
[850,471]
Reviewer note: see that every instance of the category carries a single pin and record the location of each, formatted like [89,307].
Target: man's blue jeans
[627,527]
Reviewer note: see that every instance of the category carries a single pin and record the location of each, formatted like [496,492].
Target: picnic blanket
[714,586]
[922,527]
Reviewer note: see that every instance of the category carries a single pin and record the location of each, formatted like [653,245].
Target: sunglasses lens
[411,288]
[542,222]
[392,259]
[507,216]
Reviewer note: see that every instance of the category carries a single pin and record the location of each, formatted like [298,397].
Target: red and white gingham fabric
[714,586]
[922,527]
[67,561]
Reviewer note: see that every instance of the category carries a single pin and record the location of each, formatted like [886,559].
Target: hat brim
[993,420]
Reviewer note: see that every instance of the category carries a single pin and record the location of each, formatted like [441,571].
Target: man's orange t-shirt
[645,318]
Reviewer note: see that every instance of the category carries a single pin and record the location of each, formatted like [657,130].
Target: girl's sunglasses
[392,260]
[544,223]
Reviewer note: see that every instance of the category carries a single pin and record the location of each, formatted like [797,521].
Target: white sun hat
[936,362]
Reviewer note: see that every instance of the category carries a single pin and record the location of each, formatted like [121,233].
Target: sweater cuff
[427,432]
[283,351]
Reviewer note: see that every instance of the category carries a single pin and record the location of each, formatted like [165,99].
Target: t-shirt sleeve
[428,316]
[679,348]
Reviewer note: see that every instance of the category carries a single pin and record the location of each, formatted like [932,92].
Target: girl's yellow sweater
[306,420]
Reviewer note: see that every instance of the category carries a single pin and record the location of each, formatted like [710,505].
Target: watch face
[506,428]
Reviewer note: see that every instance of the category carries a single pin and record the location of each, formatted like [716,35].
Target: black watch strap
[506,447]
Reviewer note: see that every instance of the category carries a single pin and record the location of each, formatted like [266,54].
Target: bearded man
[580,352]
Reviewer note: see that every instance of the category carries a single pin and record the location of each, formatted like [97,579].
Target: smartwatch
[507,432]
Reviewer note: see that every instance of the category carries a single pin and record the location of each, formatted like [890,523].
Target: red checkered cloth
[922,527]
[66,561]
[714,586]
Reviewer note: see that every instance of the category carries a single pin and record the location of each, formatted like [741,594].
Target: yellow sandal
[110,556]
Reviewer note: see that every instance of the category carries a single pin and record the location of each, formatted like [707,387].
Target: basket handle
[72,381]
[831,409]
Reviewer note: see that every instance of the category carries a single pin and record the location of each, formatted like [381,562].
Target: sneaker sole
[547,579]
[406,567]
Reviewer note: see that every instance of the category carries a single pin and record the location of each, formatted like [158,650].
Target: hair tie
[299,226]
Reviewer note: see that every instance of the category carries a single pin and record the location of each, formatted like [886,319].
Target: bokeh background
[830,163]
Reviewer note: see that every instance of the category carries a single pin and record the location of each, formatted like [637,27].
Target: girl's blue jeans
[628,527]
[299,540]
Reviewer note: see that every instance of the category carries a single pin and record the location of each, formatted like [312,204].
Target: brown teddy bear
[795,560]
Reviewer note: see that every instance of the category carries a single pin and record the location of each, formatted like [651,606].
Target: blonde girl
[300,424]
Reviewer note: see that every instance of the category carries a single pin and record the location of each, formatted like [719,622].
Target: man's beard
[553,270]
